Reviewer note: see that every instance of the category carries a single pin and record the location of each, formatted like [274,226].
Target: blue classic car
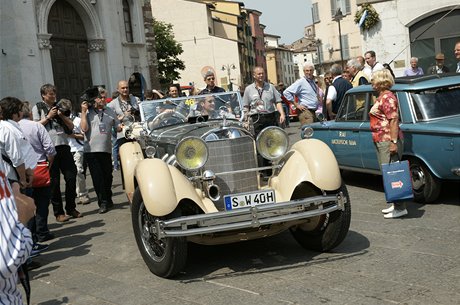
[429,109]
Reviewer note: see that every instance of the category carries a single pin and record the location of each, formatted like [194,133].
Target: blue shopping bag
[397,181]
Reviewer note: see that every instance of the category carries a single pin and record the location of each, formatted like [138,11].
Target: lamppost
[338,17]
[318,43]
[229,67]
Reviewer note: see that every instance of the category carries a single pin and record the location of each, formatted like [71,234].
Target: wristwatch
[394,141]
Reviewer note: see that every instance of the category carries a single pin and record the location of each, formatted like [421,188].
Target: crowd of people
[39,144]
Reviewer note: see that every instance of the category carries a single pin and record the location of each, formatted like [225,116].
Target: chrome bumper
[251,217]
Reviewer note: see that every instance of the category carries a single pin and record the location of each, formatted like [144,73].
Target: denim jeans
[38,225]
[286,114]
[63,162]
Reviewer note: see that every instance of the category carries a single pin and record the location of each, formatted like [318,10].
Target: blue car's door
[368,151]
[345,139]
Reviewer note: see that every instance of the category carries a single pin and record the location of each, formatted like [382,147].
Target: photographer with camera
[124,105]
[54,116]
[96,123]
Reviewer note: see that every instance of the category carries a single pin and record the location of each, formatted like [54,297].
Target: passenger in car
[384,121]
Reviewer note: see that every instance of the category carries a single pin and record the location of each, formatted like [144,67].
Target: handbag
[397,181]
[41,175]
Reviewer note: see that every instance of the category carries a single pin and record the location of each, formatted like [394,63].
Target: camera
[89,95]
[63,108]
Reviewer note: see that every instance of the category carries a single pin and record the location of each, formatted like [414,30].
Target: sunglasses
[210,78]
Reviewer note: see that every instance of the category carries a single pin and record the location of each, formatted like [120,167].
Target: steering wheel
[166,118]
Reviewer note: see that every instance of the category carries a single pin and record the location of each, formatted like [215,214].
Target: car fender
[163,186]
[130,155]
[310,160]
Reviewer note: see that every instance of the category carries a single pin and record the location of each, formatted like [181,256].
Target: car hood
[174,134]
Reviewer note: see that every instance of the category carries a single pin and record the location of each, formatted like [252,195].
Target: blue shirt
[305,91]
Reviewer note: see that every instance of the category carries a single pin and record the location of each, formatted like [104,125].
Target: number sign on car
[243,200]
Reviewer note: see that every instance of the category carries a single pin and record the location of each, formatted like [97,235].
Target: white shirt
[30,156]
[331,93]
[368,70]
[10,146]
[74,145]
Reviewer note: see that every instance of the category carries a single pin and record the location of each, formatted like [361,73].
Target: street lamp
[338,17]
[318,44]
[229,67]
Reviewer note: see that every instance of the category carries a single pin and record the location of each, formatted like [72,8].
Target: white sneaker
[395,214]
[83,200]
[388,210]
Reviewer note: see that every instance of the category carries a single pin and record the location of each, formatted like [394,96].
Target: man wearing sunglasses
[210,80]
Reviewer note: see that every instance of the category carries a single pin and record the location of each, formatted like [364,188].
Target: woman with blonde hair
[384,121]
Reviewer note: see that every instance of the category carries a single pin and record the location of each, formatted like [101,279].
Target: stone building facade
[73,44]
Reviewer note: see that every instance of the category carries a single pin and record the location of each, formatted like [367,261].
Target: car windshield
[434,104]
[171,111]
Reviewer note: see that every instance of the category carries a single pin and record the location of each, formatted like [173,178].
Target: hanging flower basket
[367,17]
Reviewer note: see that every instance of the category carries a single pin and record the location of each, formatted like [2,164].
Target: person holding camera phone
[96,123]
[55,117]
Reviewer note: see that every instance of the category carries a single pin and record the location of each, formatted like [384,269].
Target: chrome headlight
[150,151]
[272,143]
[191,153]
[307,132]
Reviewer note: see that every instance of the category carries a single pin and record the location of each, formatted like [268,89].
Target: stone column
[150,45]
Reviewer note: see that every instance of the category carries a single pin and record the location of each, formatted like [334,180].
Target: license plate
[243,200]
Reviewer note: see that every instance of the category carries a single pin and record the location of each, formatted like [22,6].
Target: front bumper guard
[251,217]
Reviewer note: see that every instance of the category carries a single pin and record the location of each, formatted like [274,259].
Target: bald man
[125,104]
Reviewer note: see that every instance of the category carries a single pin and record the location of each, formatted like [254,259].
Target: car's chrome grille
[232,155]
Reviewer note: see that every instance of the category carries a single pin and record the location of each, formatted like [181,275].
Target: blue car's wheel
[425,185]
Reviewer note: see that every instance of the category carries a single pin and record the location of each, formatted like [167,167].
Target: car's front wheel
[165,257]
[425,185]
[325,232]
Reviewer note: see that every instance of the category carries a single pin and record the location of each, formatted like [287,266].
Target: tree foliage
[167,49]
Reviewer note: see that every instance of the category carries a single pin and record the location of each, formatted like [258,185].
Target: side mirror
[320,117]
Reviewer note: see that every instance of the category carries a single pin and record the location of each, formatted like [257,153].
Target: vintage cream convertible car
[191,174]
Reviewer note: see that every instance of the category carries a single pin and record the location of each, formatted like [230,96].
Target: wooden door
[69,53]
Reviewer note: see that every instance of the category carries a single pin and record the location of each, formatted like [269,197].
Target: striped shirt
[15,244]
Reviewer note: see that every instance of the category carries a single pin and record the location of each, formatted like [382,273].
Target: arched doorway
[442,34]
[69,53]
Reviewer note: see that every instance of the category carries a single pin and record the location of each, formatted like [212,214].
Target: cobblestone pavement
[415,260]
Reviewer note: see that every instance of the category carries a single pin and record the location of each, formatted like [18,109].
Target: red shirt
[384,109]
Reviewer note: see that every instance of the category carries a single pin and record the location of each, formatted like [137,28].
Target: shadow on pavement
[65,300]
[269,254]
